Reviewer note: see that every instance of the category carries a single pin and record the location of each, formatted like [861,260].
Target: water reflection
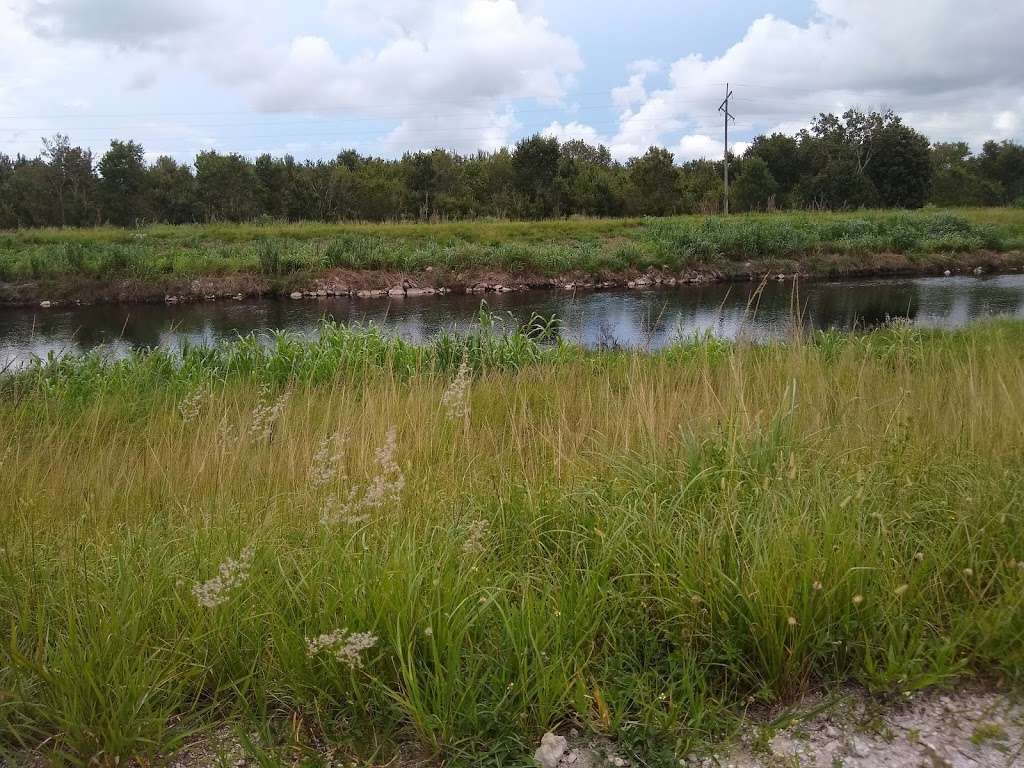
[648,319]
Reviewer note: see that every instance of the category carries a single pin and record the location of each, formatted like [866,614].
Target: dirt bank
[78,289]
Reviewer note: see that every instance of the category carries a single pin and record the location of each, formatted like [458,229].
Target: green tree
[702,186]
[782,154]
[1002,162]
[900,166]
[30,190]
[173,196]
[227,187]
[654,180]
[956,179]
[755,187]
[273,175]
[72,181]
[122,184]
[8,218]
[535,166]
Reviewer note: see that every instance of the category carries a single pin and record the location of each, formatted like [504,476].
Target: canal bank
[72,289]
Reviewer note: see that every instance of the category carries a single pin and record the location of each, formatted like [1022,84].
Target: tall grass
[638,545]
[548,247]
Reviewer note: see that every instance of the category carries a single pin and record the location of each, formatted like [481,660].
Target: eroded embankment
[77,289]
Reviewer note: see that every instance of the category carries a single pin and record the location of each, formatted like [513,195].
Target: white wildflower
[455,399]
[475,535]
[345,647]
[266,414]
[230,575]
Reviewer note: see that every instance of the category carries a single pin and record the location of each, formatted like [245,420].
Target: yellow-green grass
[548,247]
[668,538]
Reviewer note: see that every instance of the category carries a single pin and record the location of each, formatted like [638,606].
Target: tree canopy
[854,160]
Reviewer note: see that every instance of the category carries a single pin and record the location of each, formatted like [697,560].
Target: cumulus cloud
[465,128]
[447,71]
[479,50]
[453,68]
[952,71]
[573,130]
[634,91]
[138,24]
[424,73]
[700,146]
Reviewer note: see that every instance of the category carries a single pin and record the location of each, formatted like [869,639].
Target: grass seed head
[231,574]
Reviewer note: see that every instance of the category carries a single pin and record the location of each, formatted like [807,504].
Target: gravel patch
[967,728]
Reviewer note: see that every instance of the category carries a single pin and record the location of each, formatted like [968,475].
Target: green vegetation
[857,160]
[546,247]
[462,545]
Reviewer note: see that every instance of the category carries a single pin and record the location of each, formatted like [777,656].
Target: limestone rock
[550,751]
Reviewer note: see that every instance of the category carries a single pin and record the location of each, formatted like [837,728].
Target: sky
[313,77]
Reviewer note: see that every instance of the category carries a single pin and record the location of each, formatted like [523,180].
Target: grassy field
[545,247]
[362,544]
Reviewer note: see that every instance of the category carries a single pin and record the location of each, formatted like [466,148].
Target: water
[647,319]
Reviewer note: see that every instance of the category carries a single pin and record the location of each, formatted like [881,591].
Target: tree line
[857,160]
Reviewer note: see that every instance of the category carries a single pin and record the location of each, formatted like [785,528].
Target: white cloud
[573,130]
[1006,124]
[625,96]
[949,69]
[466,130]
[423,73]
[138,24]
[700,146]
[454,68]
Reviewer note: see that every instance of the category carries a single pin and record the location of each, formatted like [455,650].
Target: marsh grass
[639,545]
[546,247]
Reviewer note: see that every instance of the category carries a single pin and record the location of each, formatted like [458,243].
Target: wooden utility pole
[724,109]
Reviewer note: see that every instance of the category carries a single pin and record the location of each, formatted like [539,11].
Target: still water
[646,319]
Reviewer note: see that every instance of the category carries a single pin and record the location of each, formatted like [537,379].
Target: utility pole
[724,109]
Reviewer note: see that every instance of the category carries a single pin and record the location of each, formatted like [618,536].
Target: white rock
[296,294]
[947,273]
[396,291]
[45,304]
[550,751]
[978,270]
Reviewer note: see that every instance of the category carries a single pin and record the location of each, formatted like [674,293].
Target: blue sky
[315,76]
